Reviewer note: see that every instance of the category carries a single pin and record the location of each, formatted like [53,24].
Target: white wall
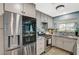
[1,35]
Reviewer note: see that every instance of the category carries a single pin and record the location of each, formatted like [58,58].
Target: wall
[1,35]
[1,29]
[67,18]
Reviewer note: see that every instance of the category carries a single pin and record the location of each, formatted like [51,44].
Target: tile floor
[56,51]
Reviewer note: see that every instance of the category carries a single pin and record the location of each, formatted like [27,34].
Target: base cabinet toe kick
[67,44]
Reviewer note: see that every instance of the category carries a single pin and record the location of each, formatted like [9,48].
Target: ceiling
[50,8]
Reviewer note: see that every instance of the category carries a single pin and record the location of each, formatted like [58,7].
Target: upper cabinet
[14,7]
[50,22]
[29,9]
[26,9]
[1,9]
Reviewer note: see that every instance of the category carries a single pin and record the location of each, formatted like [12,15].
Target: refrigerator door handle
[18,37]
[8,41]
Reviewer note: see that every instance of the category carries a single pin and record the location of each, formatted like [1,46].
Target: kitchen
[36,29]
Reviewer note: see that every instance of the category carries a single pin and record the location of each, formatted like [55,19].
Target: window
[69,27]
[61,27]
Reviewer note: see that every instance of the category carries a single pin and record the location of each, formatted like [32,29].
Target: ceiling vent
[60,7]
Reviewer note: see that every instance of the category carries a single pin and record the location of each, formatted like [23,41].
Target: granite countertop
[69,37]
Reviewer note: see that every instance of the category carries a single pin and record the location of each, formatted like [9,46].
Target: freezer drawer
[14,51]
[29,49]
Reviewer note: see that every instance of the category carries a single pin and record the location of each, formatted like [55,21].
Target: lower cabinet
[59,42]
[69,44]
[64,43]
[40,45]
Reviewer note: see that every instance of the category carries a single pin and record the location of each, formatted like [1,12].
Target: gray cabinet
[29,10]
[14,7]
[50,22]
[77,46]
[69,44]
[26,9]
[40,45]
[59,42]
[64,43]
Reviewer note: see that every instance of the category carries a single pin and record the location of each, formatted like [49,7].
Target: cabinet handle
[23,12]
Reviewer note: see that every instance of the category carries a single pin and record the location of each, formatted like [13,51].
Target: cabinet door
[59,42]
[50,22]
[69,44]
[53,41]
[40,45]
[1,9]
[29,9]
[14,7]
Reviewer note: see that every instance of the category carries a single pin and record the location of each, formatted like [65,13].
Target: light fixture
[60,7]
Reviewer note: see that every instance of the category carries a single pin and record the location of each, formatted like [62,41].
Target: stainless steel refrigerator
[19,34]
[12,33]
